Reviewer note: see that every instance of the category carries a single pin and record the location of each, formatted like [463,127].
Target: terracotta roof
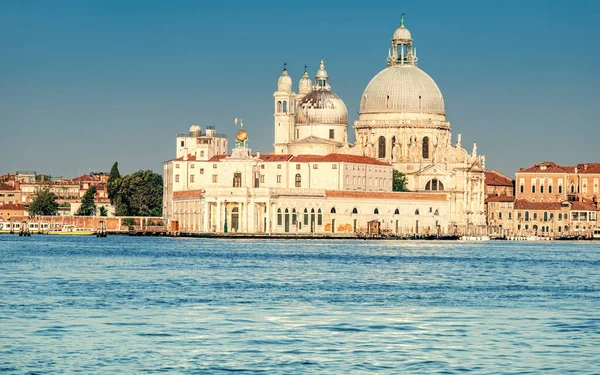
[4,186]
[583,206]
[274,158]
[385,195]
[13,206]
[495,178]
[338,158]
[191,157]
[522,204]
[188,194]
[500,198]
[217,157]
[547,167]
[588,168]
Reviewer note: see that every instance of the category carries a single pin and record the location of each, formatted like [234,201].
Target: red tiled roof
[588,168]
[4,186]
[191,157]
[495,178]
[583,206]
[523,204]
[188,194]
[13,206]
[274,158]
[500,198]
[385,195]
[217,157]
[337,158]
[547,167]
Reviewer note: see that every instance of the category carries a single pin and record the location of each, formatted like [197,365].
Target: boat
[5,227]
[71,231]
[475,238]
[596,234]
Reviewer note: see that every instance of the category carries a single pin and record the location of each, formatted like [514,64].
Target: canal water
[128,305]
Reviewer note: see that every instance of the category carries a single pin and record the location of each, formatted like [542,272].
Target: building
[316,174]
[9,194]
[497,184]
[8,211]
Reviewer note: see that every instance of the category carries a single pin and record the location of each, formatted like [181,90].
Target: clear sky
[87,83]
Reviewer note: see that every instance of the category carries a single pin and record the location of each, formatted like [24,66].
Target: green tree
[88,206]
[103,211]
[139,194]
[398,181]
[112,183]
[43,202]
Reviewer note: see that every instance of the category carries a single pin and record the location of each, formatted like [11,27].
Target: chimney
[258,154]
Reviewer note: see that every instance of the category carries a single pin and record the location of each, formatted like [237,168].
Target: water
[130,305]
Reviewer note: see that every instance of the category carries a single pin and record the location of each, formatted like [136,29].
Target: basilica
[316,181]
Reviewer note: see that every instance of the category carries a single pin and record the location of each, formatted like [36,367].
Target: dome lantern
[402,47]
[321,78]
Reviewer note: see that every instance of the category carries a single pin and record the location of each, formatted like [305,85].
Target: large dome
[321,107]
[402,88]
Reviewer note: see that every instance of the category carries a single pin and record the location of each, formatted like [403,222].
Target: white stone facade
[402,125]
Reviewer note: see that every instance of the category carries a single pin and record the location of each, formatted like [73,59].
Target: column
[218,224]
[268,203]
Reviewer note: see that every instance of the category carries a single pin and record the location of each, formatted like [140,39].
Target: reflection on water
[135,305]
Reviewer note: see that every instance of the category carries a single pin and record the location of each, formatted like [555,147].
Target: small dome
[305,84]
[284,83]
[402,33]
[195,129]
[322,107]
[400,89]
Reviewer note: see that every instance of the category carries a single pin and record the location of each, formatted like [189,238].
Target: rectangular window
[492,215]
[214,178]
[192,166]
[500,215]
[315,166]
[333,166]
[510,216]
[542,189]
[182,143]
[262,166]
[522,189]
[533,188]
[559,189]
[214,166]
[176,165]
[176,178]
[331,133]
[201,170]
[297,166]
[278,178]
[237,179]
[201,154]
[262,178]
[191,178]
[278,166]
[549,189]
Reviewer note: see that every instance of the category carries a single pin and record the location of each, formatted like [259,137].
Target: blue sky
[87,83]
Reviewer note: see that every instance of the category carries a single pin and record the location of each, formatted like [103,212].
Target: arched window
[559,189]
[376,212]
[298,180]
[545,216]
[332,210]
[397,212]
[319,217]
[305,216]
[382,147]
[526,215]
[294,217]
[279,217]
[434,184]
[355,210]
[535,216]
[278,106]
[387,102]
[425,147]
[284,107]
[417,211]
[572,188]
[437,212]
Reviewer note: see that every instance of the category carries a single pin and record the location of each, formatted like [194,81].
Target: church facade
[316,181]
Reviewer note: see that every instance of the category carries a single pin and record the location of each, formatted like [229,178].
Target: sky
[86,83]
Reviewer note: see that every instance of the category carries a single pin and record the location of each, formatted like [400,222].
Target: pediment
[476,167]
[433,170]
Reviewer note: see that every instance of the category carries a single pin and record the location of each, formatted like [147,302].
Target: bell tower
[284,112]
